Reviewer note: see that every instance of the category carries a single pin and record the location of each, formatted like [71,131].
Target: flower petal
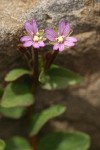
[69,43]
[71,39]
[29,27]
[61,47]
[67,29]
[25,38]
[50,34]
[56,46]
[27,43]
[36,44]
[34,25]
[61,27]
[41,44]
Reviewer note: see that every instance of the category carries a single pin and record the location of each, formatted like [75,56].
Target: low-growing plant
[18,97]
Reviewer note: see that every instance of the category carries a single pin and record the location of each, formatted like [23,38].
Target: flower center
[60,39]
[36,38]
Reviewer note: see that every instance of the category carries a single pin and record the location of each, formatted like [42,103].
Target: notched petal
[41,44]
[29,27]
[25,38]
[34,25]
[67,29]
[56,46]
[28,44]
[36,45]
[61,27]
[72,39]
[69,43]
[61,47]
[50,34]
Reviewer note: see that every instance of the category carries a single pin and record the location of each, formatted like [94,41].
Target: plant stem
[35,66]
[26,54]
[33,141]
[34,52]
[50,59]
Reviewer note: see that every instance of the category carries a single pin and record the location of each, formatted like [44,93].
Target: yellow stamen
[37,33]
[36,38]
[60,39]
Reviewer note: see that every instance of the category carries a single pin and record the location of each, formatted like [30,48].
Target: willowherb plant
[34,38]
[61,39]
[19,95]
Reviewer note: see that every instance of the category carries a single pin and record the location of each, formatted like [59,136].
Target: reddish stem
[50,58]
[35,66]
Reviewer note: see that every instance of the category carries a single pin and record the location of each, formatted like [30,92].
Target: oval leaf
[2,144]
[40,119]
[17,94]
[65,141]
[18,143]
[16,73]
[14,112]
[58,78]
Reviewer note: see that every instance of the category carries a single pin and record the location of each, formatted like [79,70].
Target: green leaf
[65,141]
[16,73]
[14,112]
[18,143]
[2,144]
[58,78]
[40,119]
[17,94]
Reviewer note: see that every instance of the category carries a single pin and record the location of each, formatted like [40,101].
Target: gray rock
[13,14]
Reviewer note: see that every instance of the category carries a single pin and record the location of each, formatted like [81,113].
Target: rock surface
[82,101]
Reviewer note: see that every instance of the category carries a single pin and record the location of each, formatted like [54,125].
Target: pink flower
[61,39]
[34,38]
